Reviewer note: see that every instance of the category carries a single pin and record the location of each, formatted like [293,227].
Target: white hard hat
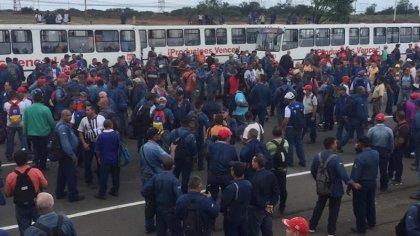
[289,96]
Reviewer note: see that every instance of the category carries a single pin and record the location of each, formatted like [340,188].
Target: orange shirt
[38,179]
[189,81]
[214,131]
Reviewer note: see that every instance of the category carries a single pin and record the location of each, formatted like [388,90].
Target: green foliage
[370,10]
[332,10]
[26,10]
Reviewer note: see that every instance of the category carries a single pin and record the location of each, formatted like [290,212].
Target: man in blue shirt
[382,138]
[260,98]
[364,172]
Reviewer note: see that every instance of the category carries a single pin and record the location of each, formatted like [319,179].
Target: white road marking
[105,209]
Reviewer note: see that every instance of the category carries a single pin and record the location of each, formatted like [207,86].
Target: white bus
[31,43]
[361,38]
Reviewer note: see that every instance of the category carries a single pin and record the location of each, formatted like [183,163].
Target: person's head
[198,105]
[90,110]
[195,184]
[362,143]
[66,115]
[237,169]
[168,164]
[44,203]
[103,103]
[289,97]
[225,113]
[108,124]
[20,157]
[185,122]
[380,118]
[249,117]
[277,131]
[330,143]
[218,119]
[7,86]
[258,161]
[12,94]
[253,134]
[296,226]
[37,96]
[400,116]
[342,91]
[154,134]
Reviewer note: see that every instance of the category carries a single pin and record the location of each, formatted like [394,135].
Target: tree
[332,10]
[247,8]
[370,10]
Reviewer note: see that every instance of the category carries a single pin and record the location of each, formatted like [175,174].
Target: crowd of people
[190,111]
[52,17]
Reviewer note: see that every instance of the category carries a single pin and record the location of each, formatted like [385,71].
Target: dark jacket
[164,188]
[265,189]
[220,154]
[365,167]
[235,200]
[260,96]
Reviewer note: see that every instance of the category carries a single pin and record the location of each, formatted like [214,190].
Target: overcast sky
[169,4]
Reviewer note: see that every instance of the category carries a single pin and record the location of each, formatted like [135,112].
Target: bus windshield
[268,42]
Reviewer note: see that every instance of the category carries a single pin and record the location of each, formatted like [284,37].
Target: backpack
[142,116]
[401,227]
[192,225]
[279,157]
[194,123]
[24,193]
[159,118]
[299,117]
[54,231]
[323,180]
[54,150]
[182,151]
[15,116]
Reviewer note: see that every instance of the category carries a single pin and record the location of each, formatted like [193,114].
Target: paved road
[124,215]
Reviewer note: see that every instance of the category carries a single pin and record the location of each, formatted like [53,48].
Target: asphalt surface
[124,215]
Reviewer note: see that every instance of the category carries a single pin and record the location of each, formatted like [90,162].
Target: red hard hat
[298,224]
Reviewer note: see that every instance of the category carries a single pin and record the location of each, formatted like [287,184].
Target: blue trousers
[352,126]
[311,125]
[10,144]
[389,103]
[106,169]
[364,206]
[260,112]
[200,152]
[185,169]
[40,151]
[281,180]
[214,182]
[294,138]
[66,175]
[89,155]
[341,125]
[334,209]
[395,165]
[166,219]
[149,210]
[231,228]
[383,166]
[259,220]
[25,216]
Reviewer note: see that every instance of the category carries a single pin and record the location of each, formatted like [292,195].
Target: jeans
[106,169]
[341,125]
[25,216]
[281,180]
[364,206]
[311,125]
[215,181]
[166,219]
[149,211]
[294,138]
[259,219]
[234,228]
[403,96]
[40,151]
[334,209]
[389,103]
[200,153]
[395,165]
[66,175]
[260,112]
[185,169]
[89,154]
[329,117]
[10,140]
[352,126]
[383,166]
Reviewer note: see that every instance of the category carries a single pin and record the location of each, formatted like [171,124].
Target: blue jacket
[68,139]
[381,136]
[164,188]
[359,108]
[365,167]
[50,220]
[220,154]
[235,200]
[189,139]
[412,223]
[203,123]
[249,150]
[208,209]
[180,112]
[416,124]
[151,156]
[74,87]
[260,96]
[343,106]
[336,171]
[265,189]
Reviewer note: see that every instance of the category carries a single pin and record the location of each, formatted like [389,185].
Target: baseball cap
[397,65]
[179,92]
[62,75]
[346,78]
[298,224]
[41,82]
[162,99]
[3,66]
[308,87]
[73,66]
[224,133]
[21,89]
[380,117]
[414,95]
[289,95]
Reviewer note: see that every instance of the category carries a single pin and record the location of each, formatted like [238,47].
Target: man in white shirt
[310,104]
[252,124]
[250,76]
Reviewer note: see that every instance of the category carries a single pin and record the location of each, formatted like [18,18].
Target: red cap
[21,89]
[3,66]
[346,78]
[90,80]
[62,75]
[98,78]
[224,133]
[414,95]
[73,66]
[63,60]
[308,87]
[213,66]
[298,224]
[380,117]
[41,82]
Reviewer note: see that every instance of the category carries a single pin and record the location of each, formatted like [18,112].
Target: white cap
[289,96]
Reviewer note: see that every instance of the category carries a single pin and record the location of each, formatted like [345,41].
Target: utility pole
[395,11]
[16,6]
[85,9]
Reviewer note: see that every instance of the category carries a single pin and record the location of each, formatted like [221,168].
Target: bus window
[54,41]
[290,39]
[337,37]
[143,38]
[354,36]
[192,37]
[392,35]
[210,36]
[251,35]
[4,42]
[238,36]
[322,37]
[175,37]
[416,34]
[379,35]
[306,38]
[405,34]
[364,36]
[81,41]
[128,41]
[22,42]
[157,38]
[107,41]
[221,36]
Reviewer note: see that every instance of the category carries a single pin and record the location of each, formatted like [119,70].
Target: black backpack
[401,228]
[280,157]
[182,151]
[54,150]
[142,117]
[323,178]
[192,225]
[54,231]
[24,193]
[194,123]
